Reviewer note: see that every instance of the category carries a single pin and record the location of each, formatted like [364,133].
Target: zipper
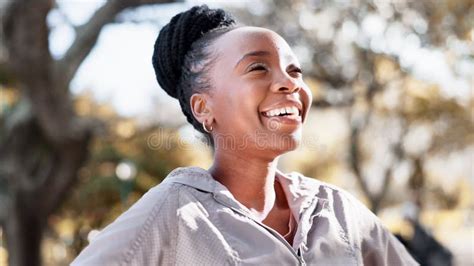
[275,234]
[297,254]
[300,254]
[283,240]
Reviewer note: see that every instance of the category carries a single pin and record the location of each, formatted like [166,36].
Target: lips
[284,109]
[285,115]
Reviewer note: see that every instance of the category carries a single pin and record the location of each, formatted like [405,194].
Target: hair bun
[175,40]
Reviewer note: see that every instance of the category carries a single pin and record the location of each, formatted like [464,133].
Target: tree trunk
[26,163]
[23,232]
[38,176]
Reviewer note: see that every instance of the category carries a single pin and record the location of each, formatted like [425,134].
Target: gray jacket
[191,219]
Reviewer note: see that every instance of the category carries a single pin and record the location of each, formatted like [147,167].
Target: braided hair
[181,57]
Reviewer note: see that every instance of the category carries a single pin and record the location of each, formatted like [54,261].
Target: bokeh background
[85,129]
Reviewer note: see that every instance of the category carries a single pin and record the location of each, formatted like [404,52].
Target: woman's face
[258,98]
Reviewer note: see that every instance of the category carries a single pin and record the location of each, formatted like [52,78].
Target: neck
[249,179]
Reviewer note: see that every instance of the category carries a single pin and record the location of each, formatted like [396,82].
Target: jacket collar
[299,190]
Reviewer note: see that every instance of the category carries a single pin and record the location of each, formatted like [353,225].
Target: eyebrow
[253,53]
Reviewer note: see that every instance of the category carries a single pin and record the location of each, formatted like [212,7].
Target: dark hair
[181,57]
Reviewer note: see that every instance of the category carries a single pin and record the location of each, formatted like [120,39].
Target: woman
[243,88]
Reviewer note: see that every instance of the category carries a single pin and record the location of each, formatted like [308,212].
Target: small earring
[205,128]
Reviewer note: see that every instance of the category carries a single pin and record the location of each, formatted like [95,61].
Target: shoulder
[363,228]
[149,224]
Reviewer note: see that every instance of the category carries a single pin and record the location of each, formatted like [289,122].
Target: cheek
[248,99]
[236,107]
[307,94]
[306,97]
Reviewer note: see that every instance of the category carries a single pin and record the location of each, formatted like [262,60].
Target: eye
[257,67]
[296,71]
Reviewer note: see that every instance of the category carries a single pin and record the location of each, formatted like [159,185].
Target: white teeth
[294,110]
[285,110]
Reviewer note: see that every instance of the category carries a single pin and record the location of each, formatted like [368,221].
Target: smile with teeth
[284,111]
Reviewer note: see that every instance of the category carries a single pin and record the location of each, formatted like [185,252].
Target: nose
[286,84]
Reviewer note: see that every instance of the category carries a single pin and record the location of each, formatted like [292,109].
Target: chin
[287,146]
[280,144]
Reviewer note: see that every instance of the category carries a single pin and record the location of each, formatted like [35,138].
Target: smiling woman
[243,88]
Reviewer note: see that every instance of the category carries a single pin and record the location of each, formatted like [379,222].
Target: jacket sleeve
[378,245]
[143,235]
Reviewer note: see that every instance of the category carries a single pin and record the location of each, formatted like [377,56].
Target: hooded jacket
[191,219]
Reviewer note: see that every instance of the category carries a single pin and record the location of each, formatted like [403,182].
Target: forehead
[240,41]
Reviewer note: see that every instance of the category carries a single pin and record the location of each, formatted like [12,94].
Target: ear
[201,107]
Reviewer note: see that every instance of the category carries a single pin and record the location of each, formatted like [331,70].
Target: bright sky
[119,68]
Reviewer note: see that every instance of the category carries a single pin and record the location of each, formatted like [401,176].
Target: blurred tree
[42,141]
[102,191]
